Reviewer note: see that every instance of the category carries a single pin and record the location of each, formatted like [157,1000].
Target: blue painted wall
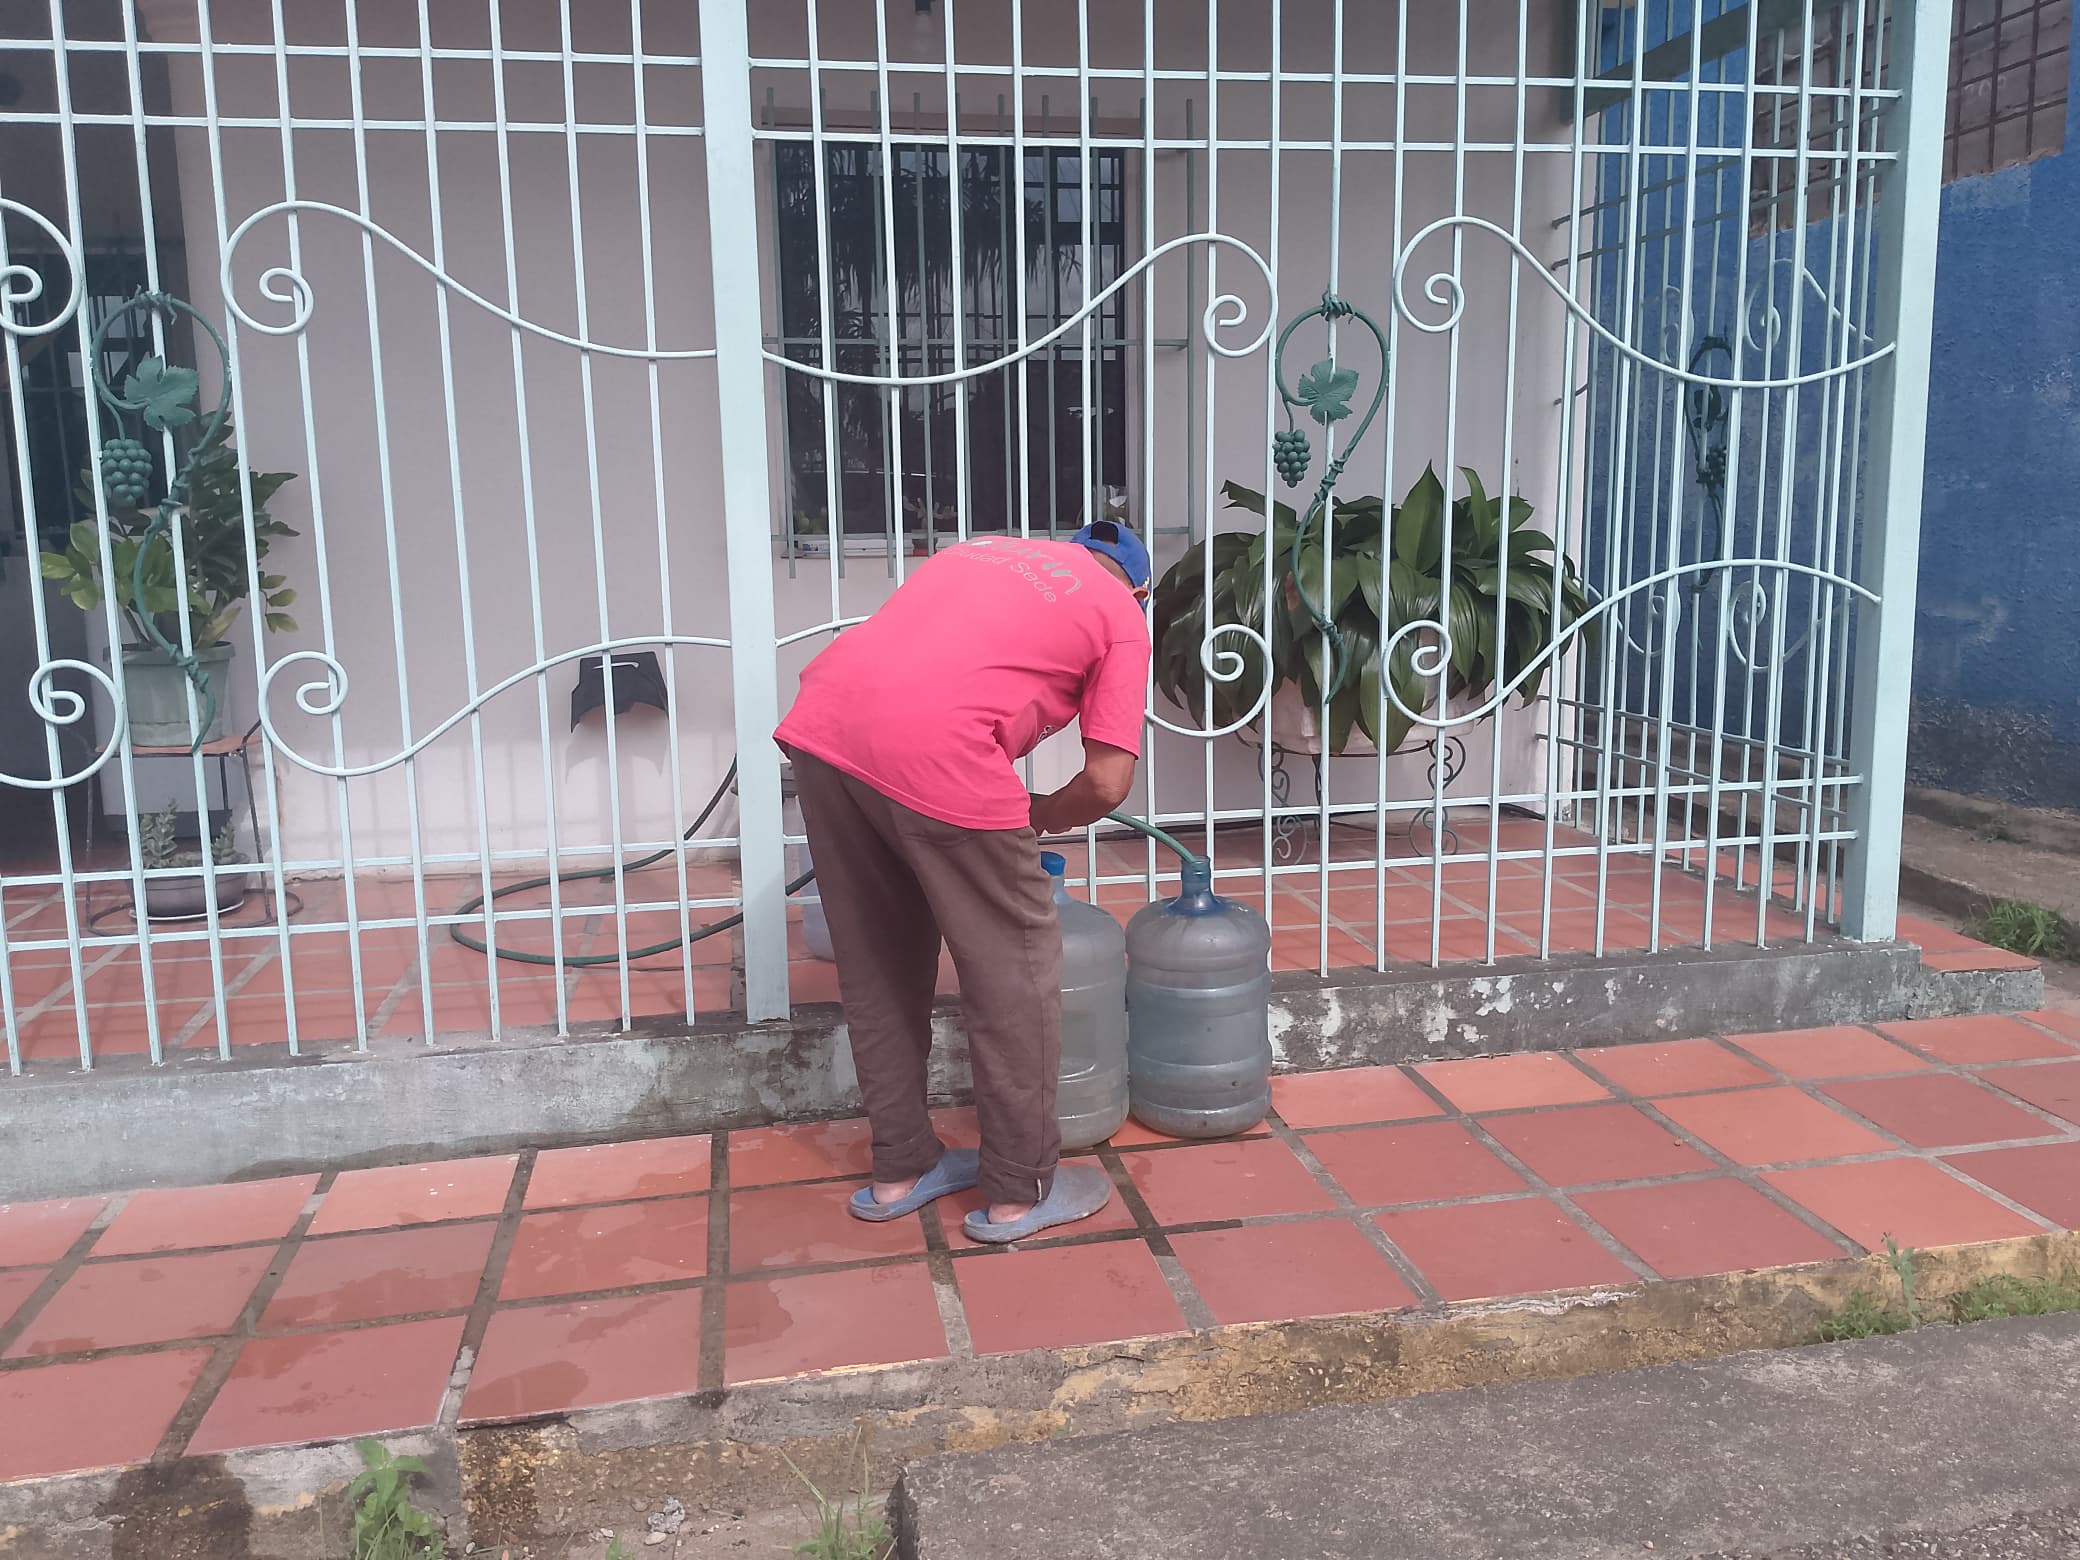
[1997,646]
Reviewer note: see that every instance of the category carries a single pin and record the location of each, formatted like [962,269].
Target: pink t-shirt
[984,650]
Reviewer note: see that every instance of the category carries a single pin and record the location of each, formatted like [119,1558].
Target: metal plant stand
[1290,826]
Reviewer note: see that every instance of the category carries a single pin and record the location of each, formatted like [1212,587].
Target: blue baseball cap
[1122,546]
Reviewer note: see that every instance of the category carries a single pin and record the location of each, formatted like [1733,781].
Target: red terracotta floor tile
[1771,1126]
[814,1151]
[1939,1110]
[1584,1144]
[91,1413]
[1235,1180]
[957,1126]
[1423,1161]
[2044,1177]
[1482,1250]
[1273,1272]
[108,1305]
[1981,959]
[1063,1296]
[1982,1037]
[2067,1024]
[42,1232]
[367,1278]
[1132,1134]
[178,1218]
[613,1172]
[1837,1052]
[2054,1086]
[1931,938]
[546,1359]
[331,1385]
[1300,948]
[1512,1082]
[789,1326]
[802,1226]
[1673,1067]
[415,1194]
[1693,1228]
[579,1250]
[16,1285]
[1575,931]
[1461,940]
[1349,1097]
[1910,1200]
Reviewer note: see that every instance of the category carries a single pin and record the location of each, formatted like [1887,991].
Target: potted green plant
[217,573]
[187,896]
[1387,571]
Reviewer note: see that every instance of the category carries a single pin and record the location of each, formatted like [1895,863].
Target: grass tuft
[2032,930]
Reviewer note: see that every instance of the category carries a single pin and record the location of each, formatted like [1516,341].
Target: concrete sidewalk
[1939,1431]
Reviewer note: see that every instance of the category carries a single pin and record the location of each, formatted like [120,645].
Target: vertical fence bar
[746,497]
[1906,283]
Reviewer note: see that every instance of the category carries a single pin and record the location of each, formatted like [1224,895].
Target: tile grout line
[1611,1245]
[477,1320]
[1198,1315]
[1750,1176]
[953,1315]
[1369,1228]
[224,1355]
[712,1372]
[1933,1155]
[59,1274]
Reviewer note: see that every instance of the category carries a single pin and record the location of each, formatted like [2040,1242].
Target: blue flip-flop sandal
[1078,1192]
[958,1169]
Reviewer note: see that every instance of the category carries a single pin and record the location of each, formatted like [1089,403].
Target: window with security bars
[1022,428]
[2009,63]
[1808,81]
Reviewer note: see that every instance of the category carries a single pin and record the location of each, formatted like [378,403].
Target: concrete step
[1961,863]
[1934,1431]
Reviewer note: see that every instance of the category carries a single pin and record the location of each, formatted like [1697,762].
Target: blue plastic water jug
[1091,1099]
[1198,1012]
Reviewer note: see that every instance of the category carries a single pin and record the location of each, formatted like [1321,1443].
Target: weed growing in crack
[387,1526]
[845,1531]
[2035,931]
[1863,1315]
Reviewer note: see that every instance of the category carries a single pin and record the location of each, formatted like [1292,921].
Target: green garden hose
[606,874]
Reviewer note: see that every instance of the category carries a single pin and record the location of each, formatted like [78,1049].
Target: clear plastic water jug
[1198,1012]
[1091,1099]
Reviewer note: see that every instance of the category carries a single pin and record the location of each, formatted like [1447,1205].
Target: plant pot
[1296,725]
[155,694]
[187,897]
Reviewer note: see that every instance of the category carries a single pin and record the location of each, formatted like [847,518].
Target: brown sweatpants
[893,883]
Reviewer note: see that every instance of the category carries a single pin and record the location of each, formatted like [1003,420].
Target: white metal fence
[591,333]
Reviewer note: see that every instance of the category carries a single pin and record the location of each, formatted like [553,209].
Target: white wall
[335,438]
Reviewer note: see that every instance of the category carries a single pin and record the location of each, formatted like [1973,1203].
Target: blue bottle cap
[1052,864]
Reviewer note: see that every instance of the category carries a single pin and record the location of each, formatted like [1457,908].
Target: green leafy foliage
[1385,569]
[213,543]
[1862,1316]
[2032,930]
[2004,1294]
[845,1530]
[157,843]
[387,1526]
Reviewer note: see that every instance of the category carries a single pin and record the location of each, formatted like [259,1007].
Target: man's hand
[1106,781]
